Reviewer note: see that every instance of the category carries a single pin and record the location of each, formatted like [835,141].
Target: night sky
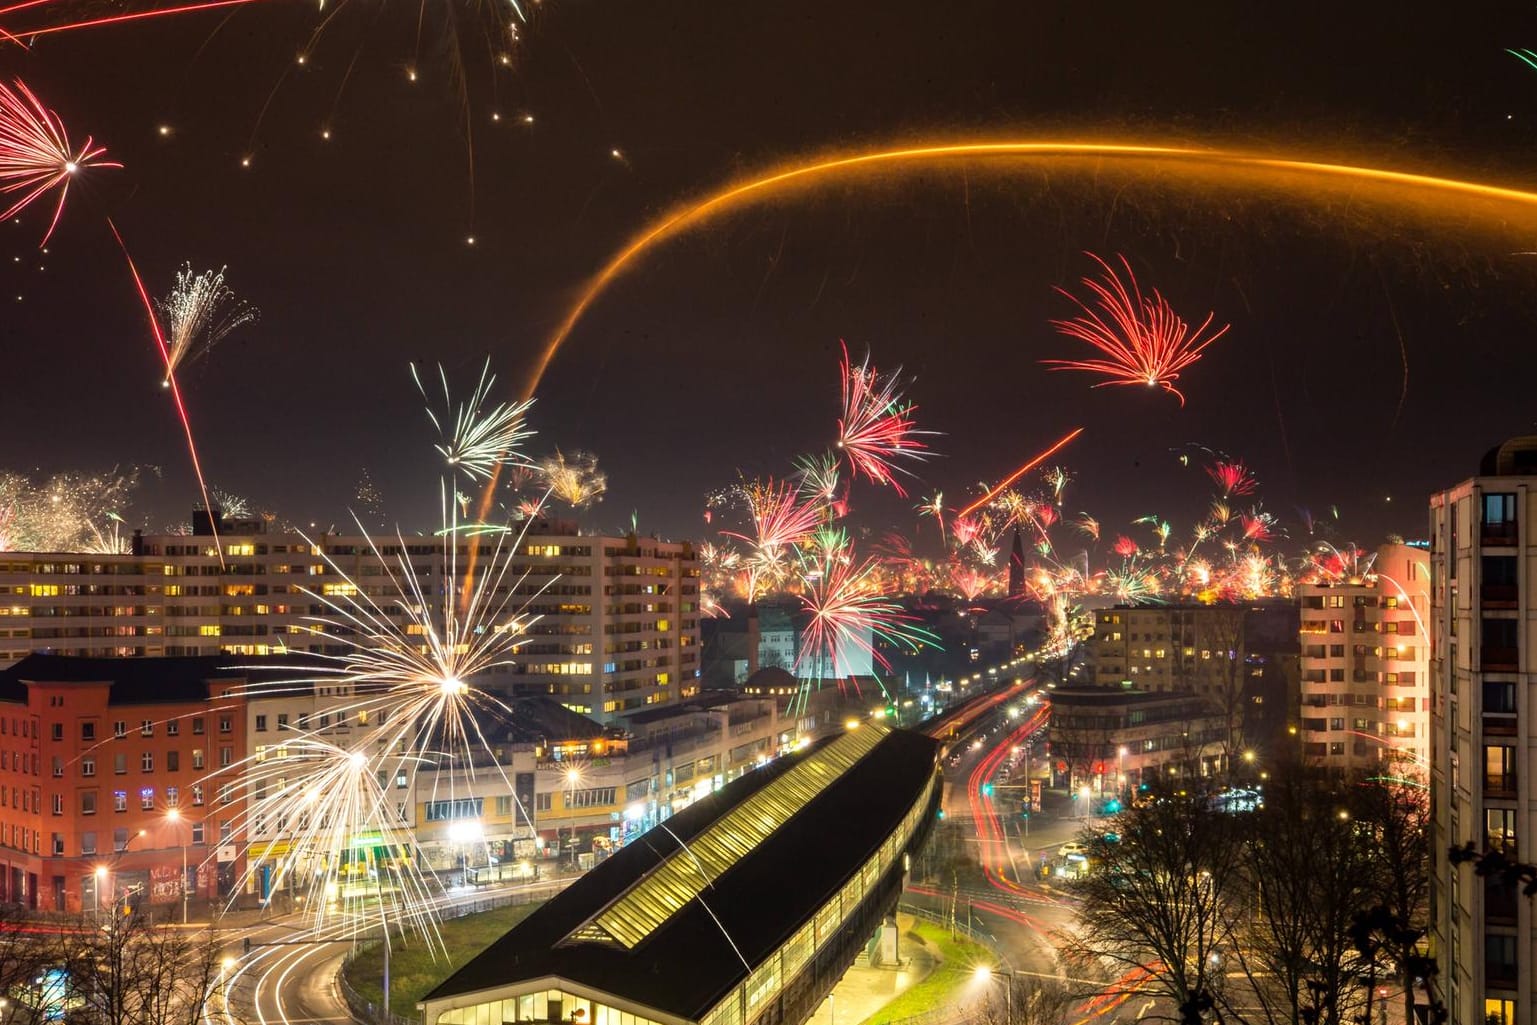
[719,352]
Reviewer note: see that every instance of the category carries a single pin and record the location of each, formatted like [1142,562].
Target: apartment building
[572,787]
[1227,654]
[1113,740]
[614,620]
[116,773]
[1365,661]
[1483,627]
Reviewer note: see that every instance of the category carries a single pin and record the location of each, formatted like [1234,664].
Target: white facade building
[1483,738]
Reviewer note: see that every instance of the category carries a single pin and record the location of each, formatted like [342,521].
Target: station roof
[764,853]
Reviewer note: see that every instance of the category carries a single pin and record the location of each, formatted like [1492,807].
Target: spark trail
[170,376]
[1482,205]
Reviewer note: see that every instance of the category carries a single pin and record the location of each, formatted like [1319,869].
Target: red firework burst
[1144,341]
[1233,478]
[877,426]
[848,613]
[35,153]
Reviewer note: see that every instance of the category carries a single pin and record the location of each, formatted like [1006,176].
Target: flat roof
[683,964]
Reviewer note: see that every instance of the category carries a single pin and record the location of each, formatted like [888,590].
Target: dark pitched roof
[770,676]
[534,718]
[144,681]
[685,966]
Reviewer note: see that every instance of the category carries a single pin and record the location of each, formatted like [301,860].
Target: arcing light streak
[1011,478]
[1287,173]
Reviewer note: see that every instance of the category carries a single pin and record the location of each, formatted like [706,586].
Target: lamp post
[101,879]
[1120,773]
[173,815]
[986,973]
[573,777]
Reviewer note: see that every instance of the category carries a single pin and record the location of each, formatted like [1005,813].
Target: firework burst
[199,313]
[1143,340]
[1233,477]
[476,437]
[69,512]
[849,613]
[876,429]
[36,156]
[574,480]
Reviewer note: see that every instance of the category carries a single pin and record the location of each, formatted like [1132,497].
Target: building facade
[1113,740]
[1365,659]
[1483,627]
[1226,654]
[117,775]
[614,620]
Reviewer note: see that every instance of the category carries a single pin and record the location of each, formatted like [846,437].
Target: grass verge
[959,956]
[414,972]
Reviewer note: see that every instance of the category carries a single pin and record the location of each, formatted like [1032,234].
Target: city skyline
[949,272]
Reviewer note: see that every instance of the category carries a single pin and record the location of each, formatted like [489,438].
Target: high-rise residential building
[1365,661]
[1233,656]
[1483,626]
[616,627]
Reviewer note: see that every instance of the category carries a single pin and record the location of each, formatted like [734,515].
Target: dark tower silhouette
[1017,567]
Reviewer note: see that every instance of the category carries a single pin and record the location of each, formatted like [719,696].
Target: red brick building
[116,772]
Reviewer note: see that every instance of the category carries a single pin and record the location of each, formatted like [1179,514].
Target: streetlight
[173,815]
[984,973]
[573,777]
[101,878]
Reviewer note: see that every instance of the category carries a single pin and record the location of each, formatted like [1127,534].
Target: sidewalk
[864,990]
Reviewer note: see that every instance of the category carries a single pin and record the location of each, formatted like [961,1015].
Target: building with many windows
[1483,631]
[1113,740]
[745,910]
[109,770]
[616,627]
[1237,658]
[577,790]
[1365,660]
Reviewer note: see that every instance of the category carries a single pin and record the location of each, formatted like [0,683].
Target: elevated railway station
[744,909]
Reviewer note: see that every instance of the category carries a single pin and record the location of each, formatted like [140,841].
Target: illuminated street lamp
[985,973]
[173,815]
[573,777]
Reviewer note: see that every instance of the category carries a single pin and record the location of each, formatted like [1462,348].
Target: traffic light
[1112,806]
[987,790]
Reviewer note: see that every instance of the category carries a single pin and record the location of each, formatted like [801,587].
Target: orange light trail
[1288,173]
[1011,478]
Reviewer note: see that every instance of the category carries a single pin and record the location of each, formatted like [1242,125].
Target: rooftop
[145,681]
[637,927]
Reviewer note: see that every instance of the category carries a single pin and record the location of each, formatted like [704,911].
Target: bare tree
[1222,677]
[1164,898]
[128,971]
[25,953]
[1028,1000]
[1308,864]
[1398,812]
